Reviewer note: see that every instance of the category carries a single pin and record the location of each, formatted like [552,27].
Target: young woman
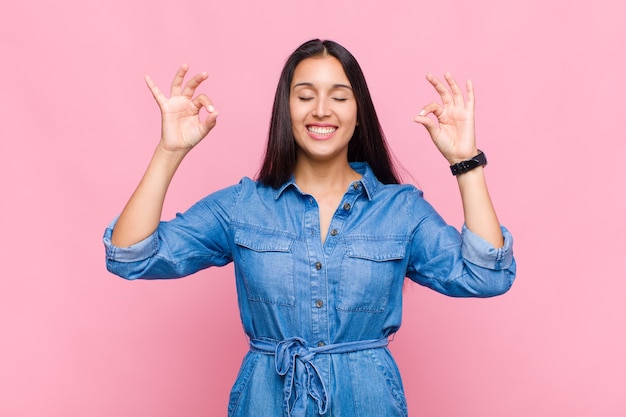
[324,237]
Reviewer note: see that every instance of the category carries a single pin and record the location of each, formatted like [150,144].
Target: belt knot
[293,359]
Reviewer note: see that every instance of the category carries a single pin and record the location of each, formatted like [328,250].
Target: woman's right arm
[181,129]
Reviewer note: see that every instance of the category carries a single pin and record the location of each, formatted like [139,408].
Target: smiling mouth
[321,130]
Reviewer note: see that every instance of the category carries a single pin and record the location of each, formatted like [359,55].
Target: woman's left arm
[454,135]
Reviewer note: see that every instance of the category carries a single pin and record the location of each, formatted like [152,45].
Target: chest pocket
[368,270]
[266,265]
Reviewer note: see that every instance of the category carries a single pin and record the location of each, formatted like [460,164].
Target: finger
[203,101]
[209,122]
[190,87]
[443,91]
[469,85]
[156,93]
[423,119]
[429,125]
[457,94]
[435,108]
[177,83]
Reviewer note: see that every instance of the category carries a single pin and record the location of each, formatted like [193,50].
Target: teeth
[322,130]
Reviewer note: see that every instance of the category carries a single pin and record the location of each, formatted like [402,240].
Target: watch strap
[468,165]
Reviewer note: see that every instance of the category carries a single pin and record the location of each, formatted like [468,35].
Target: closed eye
[305,98]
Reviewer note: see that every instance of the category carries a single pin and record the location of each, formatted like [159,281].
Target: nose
[321,109]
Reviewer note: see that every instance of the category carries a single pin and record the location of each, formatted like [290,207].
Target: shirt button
[355,185]
[319,303]
[318,265]
[334,232]
[320,344]
[347,206]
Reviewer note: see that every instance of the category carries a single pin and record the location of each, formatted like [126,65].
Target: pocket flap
[263,240]
[377,250]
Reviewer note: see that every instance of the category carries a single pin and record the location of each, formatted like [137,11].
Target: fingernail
[423,112]
[211,109]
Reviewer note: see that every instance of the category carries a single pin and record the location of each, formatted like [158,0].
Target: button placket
[316,286]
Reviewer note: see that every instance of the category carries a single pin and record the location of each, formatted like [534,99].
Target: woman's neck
[320,178]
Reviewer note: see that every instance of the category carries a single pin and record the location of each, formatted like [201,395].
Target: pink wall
[77,126]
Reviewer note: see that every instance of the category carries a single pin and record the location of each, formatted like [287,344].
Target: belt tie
[294,362]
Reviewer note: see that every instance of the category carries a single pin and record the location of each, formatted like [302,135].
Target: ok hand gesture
[453,133]
[181,124]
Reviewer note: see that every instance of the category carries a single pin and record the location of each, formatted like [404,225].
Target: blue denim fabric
[294,361]
[291,287]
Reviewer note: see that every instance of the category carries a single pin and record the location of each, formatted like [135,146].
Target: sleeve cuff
[478,251]
[138,252]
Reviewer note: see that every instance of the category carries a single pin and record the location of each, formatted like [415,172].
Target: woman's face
[323,109]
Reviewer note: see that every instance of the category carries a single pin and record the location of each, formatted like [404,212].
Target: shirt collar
[368,180]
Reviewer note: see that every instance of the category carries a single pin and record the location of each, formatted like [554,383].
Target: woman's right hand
[182,126]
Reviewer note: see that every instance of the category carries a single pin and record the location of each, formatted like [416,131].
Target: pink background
[78,125]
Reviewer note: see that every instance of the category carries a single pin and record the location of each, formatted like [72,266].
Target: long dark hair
[368,141]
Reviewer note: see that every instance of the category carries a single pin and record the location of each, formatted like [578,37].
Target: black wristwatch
[464,166]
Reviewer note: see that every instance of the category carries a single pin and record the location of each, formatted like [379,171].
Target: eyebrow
[308,84]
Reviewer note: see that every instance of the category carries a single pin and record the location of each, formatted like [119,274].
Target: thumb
[210,120]
[423,119]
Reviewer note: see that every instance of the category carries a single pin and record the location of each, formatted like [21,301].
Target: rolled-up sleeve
[459,264]
[137,252]
[193,240]
[480,252]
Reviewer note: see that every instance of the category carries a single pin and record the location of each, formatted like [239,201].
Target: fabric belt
[293,362]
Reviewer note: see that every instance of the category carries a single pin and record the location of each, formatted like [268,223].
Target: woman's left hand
[453,133]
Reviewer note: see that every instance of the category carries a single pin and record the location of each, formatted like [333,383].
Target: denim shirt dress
[318,315]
